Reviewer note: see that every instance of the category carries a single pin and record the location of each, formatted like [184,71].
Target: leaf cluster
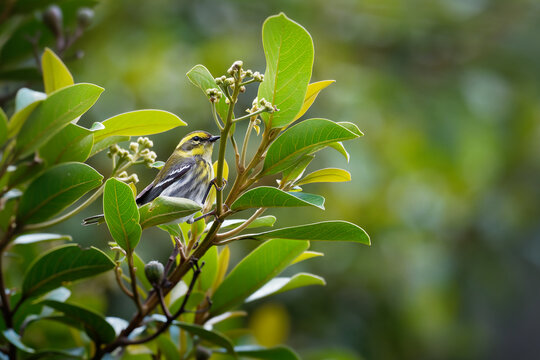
[182,305]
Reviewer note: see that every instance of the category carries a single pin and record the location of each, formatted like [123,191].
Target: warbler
[187,173]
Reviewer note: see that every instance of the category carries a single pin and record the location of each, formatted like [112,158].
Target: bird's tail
[96,219]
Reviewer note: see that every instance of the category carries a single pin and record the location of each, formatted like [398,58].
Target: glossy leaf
[55,74]
[223,265]
[3,127]
[95,325]
[15,339]
[25,97]
[307,255]
[18,119]
[54,114]
[323,231]
[65,263]
[211,336]
[295,171]
[167,348]
[40,237]
[326,175]
[338,146]
[311,94]
[203,79]
[263,221]
[256,352]
[281,284]
[24,172]
[172,229]
[56,189]
[72,143]
[164,209]
[267,196]
[255,270]
[141,276]
[209,272]
[304,138]
[105,143]
[138,123]
[288,50]
[121,214]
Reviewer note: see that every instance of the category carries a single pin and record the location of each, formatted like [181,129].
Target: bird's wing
[153,190]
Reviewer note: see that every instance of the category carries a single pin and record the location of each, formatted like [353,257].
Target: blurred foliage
[445,180]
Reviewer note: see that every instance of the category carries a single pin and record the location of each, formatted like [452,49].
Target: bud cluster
[137,150]
[214,95]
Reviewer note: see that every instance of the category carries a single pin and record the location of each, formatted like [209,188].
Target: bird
[187,173]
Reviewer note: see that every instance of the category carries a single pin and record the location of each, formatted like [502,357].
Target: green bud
[84,17]
[154,272]
[134,147]
[202,353]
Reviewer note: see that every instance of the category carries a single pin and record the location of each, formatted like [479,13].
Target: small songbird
[187,173]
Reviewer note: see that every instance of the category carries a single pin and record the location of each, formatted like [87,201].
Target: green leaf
[72,143]
[307,255]
[164,209]
[139,264]
[18,119]
[24,171]
[211,336]
[338,146]
[53,114]
[105,143]
[138,123]
[311,94]
[326,175]
[208,275]
[56,189]
[55,74]
[203,79]
[3,127]
[172,229]
[267,196]
[323,231]
[294,172]
[302,139]
[263,221]
[35,238]
[95,325]
[26,97]
[255,270]
[281,284]
[121,214]
[288,50]
[256,352]
[15,339]
[65,263]
[167,348]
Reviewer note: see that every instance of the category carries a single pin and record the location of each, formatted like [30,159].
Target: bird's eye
[196,138]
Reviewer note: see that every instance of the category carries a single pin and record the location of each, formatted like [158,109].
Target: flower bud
[52,17]
[134,147]
[154,272]
[84,17]
[242,89]
[237,65]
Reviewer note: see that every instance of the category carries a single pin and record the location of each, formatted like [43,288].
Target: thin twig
[237,230]
[118,276]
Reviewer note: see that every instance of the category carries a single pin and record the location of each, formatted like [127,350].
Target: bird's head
[197,143]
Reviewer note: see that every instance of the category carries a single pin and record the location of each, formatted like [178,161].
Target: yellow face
[197,143]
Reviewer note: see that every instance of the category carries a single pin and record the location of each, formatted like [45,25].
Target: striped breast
[194,184]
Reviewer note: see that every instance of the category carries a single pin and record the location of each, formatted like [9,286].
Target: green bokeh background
[445,180]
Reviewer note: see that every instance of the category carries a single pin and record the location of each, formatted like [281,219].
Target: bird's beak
[213,139]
